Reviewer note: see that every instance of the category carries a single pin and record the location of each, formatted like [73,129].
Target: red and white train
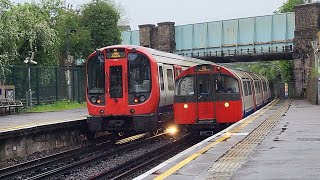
[131,88]
[210,95]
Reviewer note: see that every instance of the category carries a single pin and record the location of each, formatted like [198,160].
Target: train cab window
[184,86]
[170,80]
[96,75]
[227,84]
[139,73]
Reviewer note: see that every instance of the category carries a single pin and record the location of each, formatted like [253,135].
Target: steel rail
[69,167]
[142,162]
[33,165]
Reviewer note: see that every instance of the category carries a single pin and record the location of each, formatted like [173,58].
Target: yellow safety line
[205,149]
[49,122]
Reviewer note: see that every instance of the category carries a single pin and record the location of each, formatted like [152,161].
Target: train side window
[170,80]
[264,86]
[256,86]
[161,78]
[245,88]
[250,87]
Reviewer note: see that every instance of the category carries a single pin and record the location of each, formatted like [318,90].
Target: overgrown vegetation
[57,106]
[288,6]
[44,28]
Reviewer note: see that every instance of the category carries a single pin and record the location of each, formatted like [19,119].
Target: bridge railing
[253,35]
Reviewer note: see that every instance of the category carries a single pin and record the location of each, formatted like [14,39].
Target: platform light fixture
[29,61]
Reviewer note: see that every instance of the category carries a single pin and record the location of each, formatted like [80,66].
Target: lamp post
[69,63]
[29,61]
[69,31]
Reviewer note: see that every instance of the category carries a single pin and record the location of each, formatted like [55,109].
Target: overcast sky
[189,11]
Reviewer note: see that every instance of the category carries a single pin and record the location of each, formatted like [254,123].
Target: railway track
[144,162]
[61,162]
[69,163]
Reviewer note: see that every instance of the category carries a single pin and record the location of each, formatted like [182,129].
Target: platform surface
[291,150]
[28,120]
[265,145]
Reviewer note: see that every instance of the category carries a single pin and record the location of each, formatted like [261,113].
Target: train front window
[226,84]
[95,73]
[139,73]
[184,86]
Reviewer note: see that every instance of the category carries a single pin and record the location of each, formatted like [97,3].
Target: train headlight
[185,106]
[142,98]
[226,104]
[136,100]
[93,99]
[98,101]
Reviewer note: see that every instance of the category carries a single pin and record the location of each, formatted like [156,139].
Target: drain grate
[227,164]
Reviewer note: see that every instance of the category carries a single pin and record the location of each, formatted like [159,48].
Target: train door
[161,86]
[205,97]
[115,87]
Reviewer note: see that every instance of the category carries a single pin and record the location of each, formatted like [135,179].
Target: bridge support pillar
[146,33]
[307,26]
[166,37]
[161,37]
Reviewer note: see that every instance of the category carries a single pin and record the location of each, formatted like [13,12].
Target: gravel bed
[111,162]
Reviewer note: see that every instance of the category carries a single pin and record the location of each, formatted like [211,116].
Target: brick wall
[307,24]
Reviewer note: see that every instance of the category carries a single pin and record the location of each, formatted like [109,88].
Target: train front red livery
[211,95]
[131,88]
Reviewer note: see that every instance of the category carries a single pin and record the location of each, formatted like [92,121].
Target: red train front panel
[122,89]
[206,95]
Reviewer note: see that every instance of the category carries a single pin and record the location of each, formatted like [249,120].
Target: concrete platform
[291,150]
[31,120]
[280,141]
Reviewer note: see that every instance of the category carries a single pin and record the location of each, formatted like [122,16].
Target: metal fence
[48,84]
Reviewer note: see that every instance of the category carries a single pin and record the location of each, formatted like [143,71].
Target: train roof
[192,61]
[238,73]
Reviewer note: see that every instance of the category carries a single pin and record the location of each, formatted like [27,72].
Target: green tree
[8,49]
[4,5]
[43,27]
[101,19]
[79,41]
[288,6]
[35,34]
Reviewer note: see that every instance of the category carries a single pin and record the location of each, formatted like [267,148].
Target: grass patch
[57,106]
